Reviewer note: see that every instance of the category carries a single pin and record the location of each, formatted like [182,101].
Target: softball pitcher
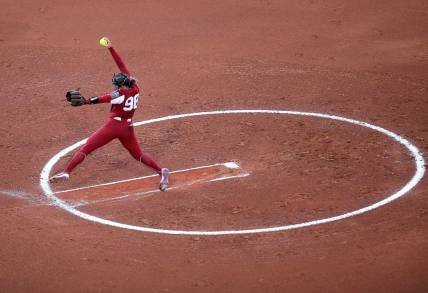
[124,101]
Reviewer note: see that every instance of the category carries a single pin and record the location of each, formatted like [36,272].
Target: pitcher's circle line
[414,151]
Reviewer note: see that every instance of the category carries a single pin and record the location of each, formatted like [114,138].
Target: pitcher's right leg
[129,141]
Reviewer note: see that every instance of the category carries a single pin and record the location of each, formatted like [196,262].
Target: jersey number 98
[131,103]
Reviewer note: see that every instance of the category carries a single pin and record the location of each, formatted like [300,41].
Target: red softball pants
[122,130]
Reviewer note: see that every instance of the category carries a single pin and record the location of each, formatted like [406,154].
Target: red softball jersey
[123,101]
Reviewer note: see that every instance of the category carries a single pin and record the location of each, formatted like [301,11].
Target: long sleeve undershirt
[122,67]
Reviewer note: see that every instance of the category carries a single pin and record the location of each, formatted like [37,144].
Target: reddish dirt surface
[147,185]
[360,59]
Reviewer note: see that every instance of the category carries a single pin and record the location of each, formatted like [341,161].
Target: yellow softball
[104,41]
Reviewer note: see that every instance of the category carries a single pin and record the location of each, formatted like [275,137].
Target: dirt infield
[365,60]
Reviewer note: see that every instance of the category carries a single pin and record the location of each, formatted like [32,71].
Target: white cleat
[62,176]
[163,185]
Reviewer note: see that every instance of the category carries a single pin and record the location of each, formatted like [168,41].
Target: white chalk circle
[416,154]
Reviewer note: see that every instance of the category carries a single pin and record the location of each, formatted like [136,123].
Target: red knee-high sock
[76,160]
[146,159]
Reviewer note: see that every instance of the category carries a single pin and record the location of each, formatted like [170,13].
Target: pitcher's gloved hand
[75,98]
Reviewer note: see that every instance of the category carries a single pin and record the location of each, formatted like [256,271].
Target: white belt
[120,119]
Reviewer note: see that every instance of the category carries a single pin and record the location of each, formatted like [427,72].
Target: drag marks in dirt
[147,185]
[34,199]
[412,150]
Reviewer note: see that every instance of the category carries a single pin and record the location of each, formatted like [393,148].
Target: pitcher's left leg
[101,137]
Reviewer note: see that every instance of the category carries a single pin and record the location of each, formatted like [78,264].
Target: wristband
[94,100]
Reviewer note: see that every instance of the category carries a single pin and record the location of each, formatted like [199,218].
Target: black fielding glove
[75,98]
